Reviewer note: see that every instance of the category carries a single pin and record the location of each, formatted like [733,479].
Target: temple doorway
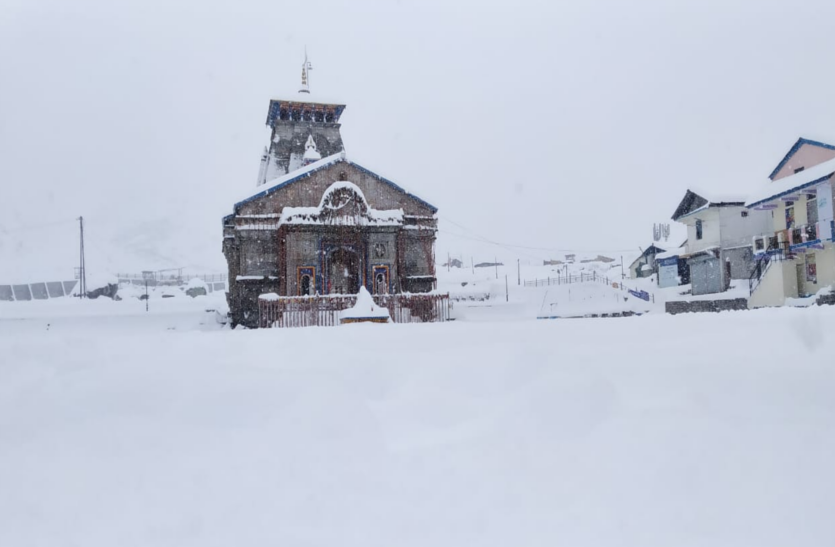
[344,272]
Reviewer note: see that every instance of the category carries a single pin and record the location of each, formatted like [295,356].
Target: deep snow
[121,427]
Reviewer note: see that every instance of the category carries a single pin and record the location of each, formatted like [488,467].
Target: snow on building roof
[718,197]
[800,142]
[669,254]
[793,183]
[276,184]
[696,200]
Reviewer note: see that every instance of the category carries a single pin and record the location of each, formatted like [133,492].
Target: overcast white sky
[547,124]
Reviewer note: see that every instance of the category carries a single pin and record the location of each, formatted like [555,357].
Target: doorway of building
[801,279]
[344,272]
[727,274]
[304,288]
[381,280]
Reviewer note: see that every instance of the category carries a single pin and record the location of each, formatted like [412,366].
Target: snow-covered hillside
[123,427]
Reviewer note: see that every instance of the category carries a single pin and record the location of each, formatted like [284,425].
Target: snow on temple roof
[793,183]
[331,212]
[296,96]
[276,184]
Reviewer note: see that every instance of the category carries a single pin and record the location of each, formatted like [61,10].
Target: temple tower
[303,127]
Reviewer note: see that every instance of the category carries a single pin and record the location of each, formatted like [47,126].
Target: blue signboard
[643,295]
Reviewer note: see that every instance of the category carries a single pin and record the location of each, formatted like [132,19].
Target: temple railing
[324,310]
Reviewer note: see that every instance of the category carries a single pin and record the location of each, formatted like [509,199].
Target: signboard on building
[825,212]
[668,272]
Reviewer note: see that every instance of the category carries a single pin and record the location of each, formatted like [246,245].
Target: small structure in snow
[196,287]
[99,285]
[365,310]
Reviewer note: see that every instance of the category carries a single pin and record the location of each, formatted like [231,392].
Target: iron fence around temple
[324,310]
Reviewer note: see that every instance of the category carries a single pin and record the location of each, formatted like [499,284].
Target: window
[799,169]
[258,258]
[811,268]
[744,214]
[811,211]
[789,216]
[759,244]
[699,232]
[306,281]
[797,236]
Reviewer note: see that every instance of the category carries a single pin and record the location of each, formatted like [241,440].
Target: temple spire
[306,68]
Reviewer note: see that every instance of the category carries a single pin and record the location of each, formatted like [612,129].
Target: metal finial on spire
[306,68]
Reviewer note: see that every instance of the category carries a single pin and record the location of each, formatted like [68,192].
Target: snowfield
[120,427]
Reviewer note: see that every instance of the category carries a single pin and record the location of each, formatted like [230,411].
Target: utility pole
[506,291]
[146,295]
[496,263]
[622,275]
[82,269]
[472,265]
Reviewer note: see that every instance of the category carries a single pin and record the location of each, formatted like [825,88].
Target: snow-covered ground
[163,428]
[550,297]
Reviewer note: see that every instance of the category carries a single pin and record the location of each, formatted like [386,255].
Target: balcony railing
[785,240]
[778,253]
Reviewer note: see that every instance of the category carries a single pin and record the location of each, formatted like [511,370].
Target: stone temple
[319,223]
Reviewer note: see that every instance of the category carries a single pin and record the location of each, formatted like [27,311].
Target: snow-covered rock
[197,287]
[365,310]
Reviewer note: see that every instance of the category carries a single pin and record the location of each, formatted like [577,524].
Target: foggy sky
[555,125]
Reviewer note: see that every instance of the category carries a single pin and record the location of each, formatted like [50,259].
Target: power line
[514,251]
[509,245]
[36,227]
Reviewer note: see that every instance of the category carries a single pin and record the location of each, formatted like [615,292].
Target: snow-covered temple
[319,223]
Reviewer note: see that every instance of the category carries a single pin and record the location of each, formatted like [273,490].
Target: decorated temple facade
[326,226]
